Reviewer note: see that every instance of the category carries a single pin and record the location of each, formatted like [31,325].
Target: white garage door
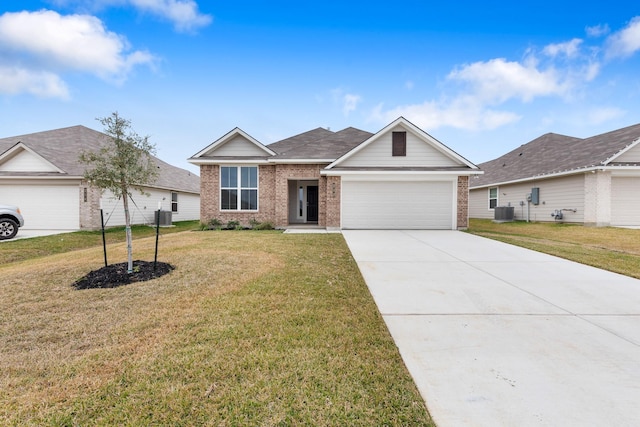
[625,201]
[397,205]
[45,207]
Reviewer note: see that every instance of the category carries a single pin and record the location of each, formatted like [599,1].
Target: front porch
[303,202]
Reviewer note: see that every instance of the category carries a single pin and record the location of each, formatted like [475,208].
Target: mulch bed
[115,275]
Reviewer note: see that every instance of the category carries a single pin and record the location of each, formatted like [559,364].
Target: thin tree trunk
[127,222]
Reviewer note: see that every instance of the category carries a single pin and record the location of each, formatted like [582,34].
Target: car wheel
[8,228]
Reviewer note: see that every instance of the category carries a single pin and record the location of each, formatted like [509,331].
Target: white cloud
[625,42]
[183,14]
[498,80]
[597,30]
[44,84]
[482,86]
[44,42]
[604,114]
[463,113]
[483,95]
[348,101]
[570,49]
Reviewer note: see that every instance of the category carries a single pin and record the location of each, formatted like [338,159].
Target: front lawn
[251,328]
[609,248]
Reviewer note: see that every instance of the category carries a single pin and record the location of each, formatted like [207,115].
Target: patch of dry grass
[251,328]
[609,248]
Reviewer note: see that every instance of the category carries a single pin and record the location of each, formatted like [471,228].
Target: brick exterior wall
[210,197]
[273,204]
[89,209]
[333,201]
[463,202]
[273,194]
[286,173]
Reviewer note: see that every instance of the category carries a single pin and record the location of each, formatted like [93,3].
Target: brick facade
[89,197]
[273,194]
[333,201]
[274,203]
[210,197]
[463,202]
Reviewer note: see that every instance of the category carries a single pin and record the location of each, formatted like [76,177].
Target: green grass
[609,248]
[23,249]
[251,328]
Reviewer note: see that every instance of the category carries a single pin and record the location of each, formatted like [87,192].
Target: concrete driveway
[496,335]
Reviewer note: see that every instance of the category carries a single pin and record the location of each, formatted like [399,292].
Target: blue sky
[481,77]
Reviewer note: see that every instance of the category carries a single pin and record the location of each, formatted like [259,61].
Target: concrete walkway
[496,335]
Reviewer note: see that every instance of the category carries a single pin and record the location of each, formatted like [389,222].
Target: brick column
[463,203]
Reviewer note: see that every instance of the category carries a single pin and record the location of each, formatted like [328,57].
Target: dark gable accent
[399,144]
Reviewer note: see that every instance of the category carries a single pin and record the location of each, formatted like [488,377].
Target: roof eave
[457,172]
[213,161]
[547,176]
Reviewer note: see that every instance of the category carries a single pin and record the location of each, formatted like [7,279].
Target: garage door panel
[625,201]
[53,207]
[397,205]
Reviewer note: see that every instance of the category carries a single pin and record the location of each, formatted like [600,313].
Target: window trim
[174,203]
[239,188]
[493,198]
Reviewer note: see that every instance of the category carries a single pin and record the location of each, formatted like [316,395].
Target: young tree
[123,163]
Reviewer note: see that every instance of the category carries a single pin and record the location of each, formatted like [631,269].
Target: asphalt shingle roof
[552,153]
[61,147]
[320,143]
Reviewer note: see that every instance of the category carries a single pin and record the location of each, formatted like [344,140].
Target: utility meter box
[535,195]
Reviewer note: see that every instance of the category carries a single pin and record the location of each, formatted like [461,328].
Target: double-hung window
[493,197]
[239,188]
[174,202]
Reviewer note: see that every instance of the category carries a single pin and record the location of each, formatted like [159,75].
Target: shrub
[233,225]
[263,226]
[213,224]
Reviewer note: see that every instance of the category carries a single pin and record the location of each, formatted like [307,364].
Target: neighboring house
[400,178]
[41,174]
[594,181]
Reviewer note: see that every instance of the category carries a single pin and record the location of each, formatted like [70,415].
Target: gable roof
[317,145]
[61,148]
[230,136]
[552,154]
[406,124]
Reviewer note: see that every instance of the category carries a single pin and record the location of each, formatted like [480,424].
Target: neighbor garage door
[397,205]
[625,201]
[45,207]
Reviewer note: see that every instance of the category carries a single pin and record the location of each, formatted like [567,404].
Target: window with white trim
[239,188]
[174,202]
[493,197]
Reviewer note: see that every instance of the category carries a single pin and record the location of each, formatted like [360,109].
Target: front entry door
[312,203]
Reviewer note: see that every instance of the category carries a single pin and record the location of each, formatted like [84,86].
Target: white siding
[398,204]
[45,205]
[479,204]
[142,209]
[631,156]
[420,153]
[238,146]
[25,161]
[625,201]
[556,193]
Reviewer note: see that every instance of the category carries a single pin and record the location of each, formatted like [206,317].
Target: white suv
[10,221]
